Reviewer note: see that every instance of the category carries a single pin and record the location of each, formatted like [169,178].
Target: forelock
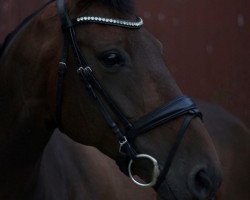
[123,6]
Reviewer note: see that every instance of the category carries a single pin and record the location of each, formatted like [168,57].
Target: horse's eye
[111,59]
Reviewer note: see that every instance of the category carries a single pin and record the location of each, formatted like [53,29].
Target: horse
[92,70]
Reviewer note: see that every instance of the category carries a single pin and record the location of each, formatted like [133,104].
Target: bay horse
[111,90]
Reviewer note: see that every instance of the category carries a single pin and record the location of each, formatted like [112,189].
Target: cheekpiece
[133,24]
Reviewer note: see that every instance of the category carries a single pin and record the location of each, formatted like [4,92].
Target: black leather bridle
[128,131]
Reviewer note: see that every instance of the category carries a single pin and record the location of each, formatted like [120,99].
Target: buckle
[122,143]
[63,64]
[84,70]
[61,68]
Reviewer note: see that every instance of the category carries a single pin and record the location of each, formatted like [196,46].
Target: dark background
[206,43]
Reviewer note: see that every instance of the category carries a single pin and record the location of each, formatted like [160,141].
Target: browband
[133,24]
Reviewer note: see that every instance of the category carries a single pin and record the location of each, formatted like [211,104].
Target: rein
[181,106]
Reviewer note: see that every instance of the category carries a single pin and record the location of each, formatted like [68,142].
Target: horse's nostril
[203,184]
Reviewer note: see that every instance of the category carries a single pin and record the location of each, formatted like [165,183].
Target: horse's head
[122,83]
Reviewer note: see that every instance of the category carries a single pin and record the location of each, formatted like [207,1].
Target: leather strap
[178,107]
[173,150]
[61,72]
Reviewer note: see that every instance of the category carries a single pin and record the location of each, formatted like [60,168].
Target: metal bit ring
[155,173]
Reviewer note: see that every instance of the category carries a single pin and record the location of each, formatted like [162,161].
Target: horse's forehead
[100,36]
[92,34]
[105,36]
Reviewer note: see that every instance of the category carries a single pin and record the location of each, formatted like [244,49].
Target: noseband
[181,106]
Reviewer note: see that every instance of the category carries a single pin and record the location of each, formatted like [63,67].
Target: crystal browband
[137,23]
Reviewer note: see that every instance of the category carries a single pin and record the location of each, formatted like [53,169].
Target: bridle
[126,134]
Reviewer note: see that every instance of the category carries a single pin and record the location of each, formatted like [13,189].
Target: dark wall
[207,44]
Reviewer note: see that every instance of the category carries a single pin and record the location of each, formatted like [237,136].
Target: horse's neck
[25,118]
[24,132]
[70,170]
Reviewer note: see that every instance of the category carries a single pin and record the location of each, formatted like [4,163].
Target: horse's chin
[165,192]
[165,196]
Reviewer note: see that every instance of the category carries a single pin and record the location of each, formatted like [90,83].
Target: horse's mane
[13,33]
